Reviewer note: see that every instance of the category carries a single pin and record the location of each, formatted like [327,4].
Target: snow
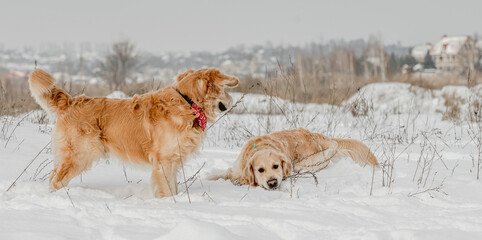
[117,94]
[479,44]
[418,67]
[395,98]
[404,126]
[453,45]
[263,104]
[398,98]
[199,230]
[419,51]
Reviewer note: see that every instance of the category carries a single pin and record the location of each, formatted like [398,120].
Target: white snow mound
[193,229]
[398,98]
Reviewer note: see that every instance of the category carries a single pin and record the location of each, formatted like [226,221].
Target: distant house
[420,51]
[479,45]
[15,75]
[14,79]
[457,54]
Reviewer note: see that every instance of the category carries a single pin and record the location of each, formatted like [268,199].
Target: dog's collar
[198,112]
[188,100]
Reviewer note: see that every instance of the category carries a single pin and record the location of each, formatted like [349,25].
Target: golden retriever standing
[268,159]
[158,129]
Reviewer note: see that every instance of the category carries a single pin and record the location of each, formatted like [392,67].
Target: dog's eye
[261,170]
[275,166]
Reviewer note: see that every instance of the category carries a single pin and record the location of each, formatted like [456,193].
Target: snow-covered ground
[427,188]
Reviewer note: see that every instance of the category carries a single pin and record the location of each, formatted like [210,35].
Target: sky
[219,24]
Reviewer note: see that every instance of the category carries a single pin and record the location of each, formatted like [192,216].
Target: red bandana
[200,117]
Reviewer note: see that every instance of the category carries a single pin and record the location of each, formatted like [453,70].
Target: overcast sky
[219,24]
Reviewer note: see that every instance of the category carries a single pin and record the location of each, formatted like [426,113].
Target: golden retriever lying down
[269,159]
[157,129]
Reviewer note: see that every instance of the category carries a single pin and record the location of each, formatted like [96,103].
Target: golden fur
[280,153]
[154,129]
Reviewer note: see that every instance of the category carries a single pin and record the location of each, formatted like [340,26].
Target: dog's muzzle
[272,183]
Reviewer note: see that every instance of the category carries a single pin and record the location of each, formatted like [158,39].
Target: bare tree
[375,59]
[468,57]
[343,62]
[119,64]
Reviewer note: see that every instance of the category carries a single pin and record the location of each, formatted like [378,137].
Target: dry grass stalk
[25,169]
[183,173]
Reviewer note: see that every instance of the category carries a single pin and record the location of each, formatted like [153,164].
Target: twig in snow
[246,194]
[108,208]
[234,105]
[41,167]
[183,173]
[373,177]
[68,195]
[192,178]
[428,190]
[18,146]
[210,198]
[21,120]
[302,175]
[125,173]
[25,169]
[438,154]
[167,181]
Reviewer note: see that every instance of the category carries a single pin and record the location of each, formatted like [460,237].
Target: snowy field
[426,189]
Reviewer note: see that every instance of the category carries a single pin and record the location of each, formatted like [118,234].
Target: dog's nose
[272,183]
[222,107]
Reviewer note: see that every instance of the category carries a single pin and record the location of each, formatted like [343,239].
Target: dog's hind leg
[71,159]
[319,160]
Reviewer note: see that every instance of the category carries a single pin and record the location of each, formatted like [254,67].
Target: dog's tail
[357,151]
[51,98]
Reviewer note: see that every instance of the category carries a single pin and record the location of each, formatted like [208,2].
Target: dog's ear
[179,77]
[248,175]
[287,167]
[229,81]
[221,79]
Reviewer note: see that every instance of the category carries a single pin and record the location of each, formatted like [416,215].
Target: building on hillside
[14,80]
[456,54]
[420,51]
[16,75]
[479,45]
